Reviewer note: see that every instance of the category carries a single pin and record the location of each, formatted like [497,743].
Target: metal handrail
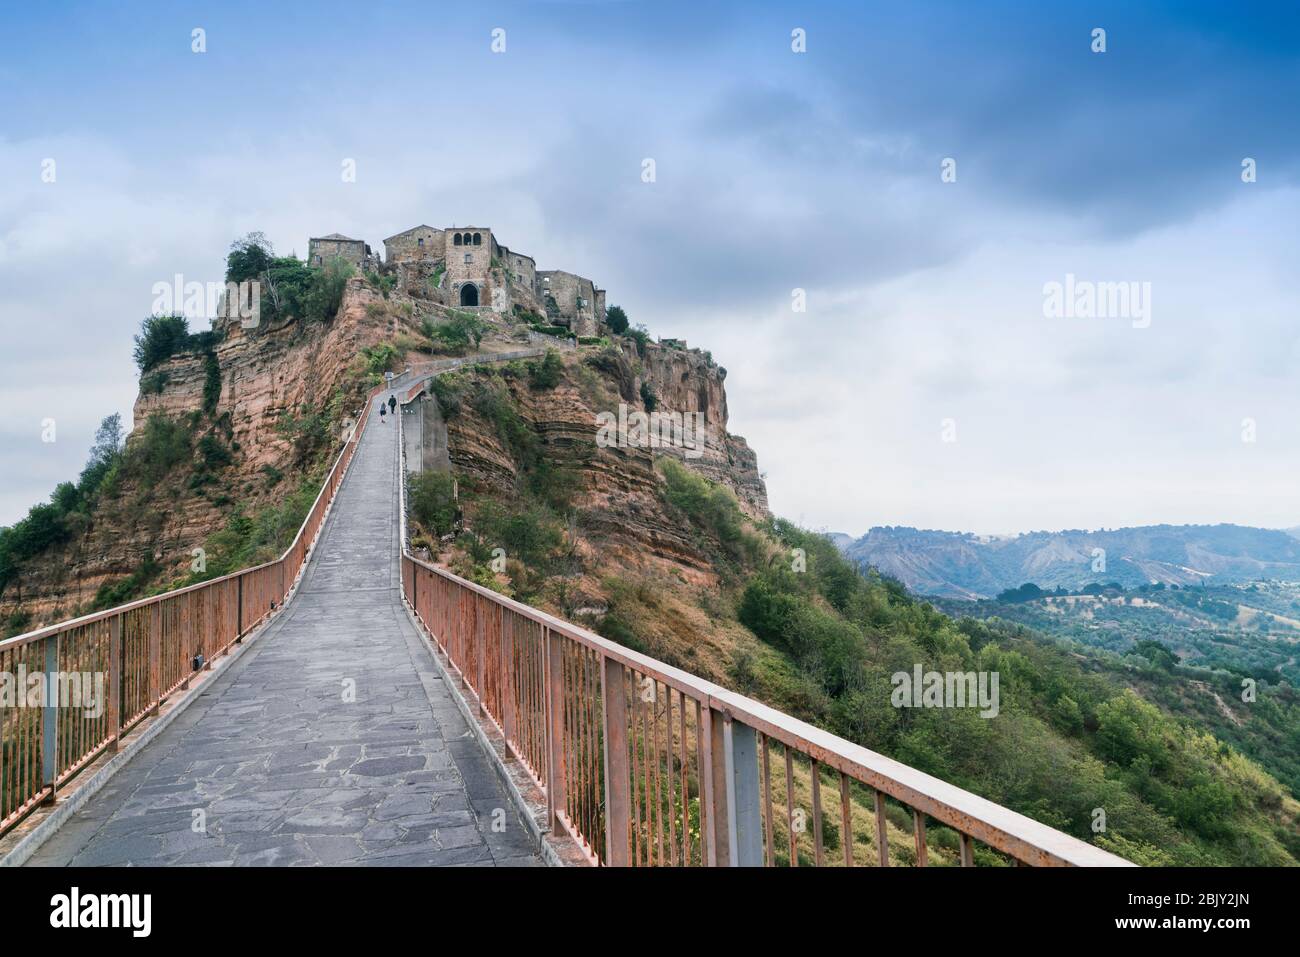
[605,731]
[144,651]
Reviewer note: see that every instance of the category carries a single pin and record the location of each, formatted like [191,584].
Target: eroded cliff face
[278,376]
[613,487]
[269,376]
[690,382]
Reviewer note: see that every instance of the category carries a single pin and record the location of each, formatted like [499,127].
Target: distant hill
[962,565]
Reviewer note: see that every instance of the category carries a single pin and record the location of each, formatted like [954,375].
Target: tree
[160,338]
[108,441]
[325,294]
[616,319]
[249,257]
[1156,653]
[433,502]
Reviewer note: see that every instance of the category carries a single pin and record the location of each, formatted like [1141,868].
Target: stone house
[465,266]
[322,249]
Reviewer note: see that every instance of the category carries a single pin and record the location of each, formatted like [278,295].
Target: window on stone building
[469,258]
[457,240]
[420,242]
[478,239]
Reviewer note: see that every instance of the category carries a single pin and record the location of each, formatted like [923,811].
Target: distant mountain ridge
[964,565]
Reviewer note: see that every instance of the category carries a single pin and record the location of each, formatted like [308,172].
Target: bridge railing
[115,668]
[645,764]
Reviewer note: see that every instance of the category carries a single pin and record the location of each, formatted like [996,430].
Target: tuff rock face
[277,372]
[614,488]
[266,373]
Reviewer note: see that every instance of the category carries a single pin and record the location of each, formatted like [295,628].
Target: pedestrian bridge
[351,704]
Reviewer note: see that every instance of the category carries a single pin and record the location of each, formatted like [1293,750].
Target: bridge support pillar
[744,814]
[733,832]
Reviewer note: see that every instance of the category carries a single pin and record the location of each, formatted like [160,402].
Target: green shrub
[215,454]
[309,432]
[128,588]
[708,506]
[325,293]
[433,502]
[547,373]
[163,444]
[17,622]
[211,382]
[380,358]
[384,283]
[458,332]
[641,337]
[448,390]
[160,338]
[616,319]
[153,383]
[528,532]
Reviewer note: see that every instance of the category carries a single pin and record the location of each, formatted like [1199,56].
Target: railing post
[480,652]
[154,668]
[744,812]
[50,720]
[114,681]
[719,829]
[209,628]
[239,611]
[556,796]
[613,696]
[507,677]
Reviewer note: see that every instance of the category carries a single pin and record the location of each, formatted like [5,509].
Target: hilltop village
[466,267]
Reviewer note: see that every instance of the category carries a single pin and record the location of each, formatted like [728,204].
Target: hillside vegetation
[788,619]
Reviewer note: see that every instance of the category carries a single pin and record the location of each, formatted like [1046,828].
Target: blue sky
[775,171]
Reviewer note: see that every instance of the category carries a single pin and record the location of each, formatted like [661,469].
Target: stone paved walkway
[279,768]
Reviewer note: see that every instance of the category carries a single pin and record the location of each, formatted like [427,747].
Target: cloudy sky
[923,384]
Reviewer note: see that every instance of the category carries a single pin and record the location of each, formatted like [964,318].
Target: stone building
[571,300]
[419,243]
[465,266]
[324,248]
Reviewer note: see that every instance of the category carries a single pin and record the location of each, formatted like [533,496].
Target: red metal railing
[645,764]
[143,652]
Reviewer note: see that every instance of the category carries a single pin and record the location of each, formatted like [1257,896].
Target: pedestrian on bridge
[392,405]
[383,409]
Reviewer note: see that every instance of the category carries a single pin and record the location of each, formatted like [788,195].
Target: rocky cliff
[273,378]
[286,394]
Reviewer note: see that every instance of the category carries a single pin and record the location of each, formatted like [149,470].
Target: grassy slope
[820,641]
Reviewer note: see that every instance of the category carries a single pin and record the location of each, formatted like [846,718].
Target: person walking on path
[382,411]
[392,405]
